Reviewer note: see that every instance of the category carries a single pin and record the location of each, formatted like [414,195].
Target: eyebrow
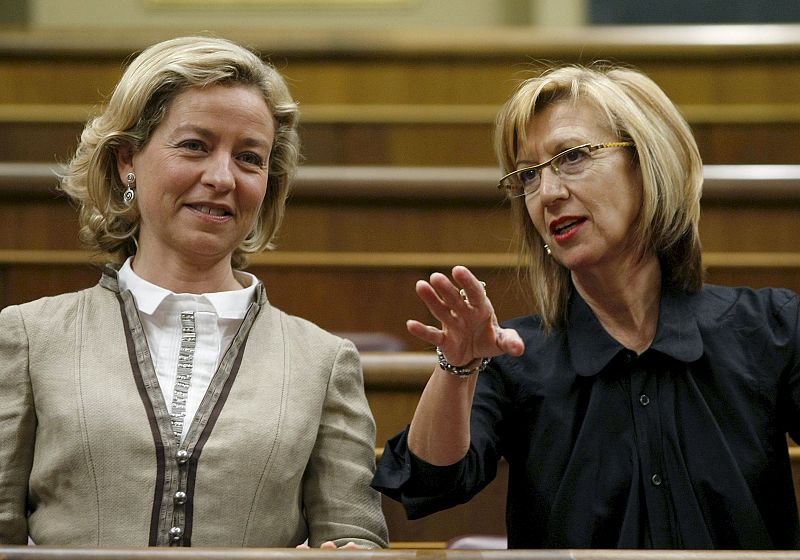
[560,146]
[248,142]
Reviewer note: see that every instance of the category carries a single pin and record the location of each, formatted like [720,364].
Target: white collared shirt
[218,316]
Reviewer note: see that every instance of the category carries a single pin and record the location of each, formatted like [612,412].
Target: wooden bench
[422,209]
[417,136]
[398,97]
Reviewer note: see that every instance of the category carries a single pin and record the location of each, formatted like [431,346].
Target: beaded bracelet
[460,371]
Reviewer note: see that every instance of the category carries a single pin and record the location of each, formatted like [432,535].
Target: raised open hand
[469,328]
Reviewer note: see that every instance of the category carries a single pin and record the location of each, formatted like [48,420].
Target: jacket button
[175,533]
[644,400]
[182,456]
[180,497]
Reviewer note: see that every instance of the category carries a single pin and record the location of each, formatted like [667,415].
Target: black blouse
[683,446]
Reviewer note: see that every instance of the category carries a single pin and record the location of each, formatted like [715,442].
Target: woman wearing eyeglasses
[638,408]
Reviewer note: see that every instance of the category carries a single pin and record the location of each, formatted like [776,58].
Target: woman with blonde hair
[171,404]
[638,408]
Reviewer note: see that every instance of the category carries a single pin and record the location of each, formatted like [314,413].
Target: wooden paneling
[400,98]
[748,143]
[425,143]
[432,210]
[709,64]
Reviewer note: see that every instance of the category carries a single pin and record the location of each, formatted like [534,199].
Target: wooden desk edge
[475,42]
[62,553]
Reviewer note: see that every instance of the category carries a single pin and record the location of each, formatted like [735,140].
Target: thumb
[509,341]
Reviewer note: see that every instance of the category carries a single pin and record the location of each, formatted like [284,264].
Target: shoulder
[50,321]
[300,329]
[723,305]
[316,359]
[305,338]
[53,309]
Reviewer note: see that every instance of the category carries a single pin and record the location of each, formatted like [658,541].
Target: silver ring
[463,294]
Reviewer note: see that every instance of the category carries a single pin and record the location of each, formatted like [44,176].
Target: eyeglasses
[569,164]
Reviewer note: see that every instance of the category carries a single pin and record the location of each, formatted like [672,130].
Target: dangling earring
[130,194]
[547,249]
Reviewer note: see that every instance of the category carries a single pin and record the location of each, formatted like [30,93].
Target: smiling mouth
[210,211]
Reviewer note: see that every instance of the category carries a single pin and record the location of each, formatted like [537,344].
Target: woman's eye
[252,159]
[192,145]
[528,175]
[573,156]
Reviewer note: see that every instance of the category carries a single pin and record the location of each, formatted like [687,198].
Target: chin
[578,263]
[200,253]
[209,245]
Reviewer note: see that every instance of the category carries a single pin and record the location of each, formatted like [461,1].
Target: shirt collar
[589,345]
[228,305]
[591,348]
[678,334]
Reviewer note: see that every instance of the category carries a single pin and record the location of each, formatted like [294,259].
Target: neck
[626,303]
[184,277]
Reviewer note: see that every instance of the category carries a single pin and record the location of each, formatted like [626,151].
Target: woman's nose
[218,173]
[551,188]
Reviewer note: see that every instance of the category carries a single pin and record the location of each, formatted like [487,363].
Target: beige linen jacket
[280,450]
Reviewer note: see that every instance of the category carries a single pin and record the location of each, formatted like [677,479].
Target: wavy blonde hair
[137,106]
[666,154]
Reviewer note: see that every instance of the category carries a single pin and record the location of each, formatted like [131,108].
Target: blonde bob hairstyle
[137,106]
[634,109]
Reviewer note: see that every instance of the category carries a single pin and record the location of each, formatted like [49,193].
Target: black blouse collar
[591,348]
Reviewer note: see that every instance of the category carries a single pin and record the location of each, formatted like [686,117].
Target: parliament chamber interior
[398,180]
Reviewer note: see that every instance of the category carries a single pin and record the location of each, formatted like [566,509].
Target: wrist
[472,368]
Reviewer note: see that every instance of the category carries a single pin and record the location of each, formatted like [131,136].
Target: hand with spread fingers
[469,335]
[469,329]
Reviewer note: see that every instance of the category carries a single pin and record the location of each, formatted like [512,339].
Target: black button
[176,533]
[179,497]
[644,400]
[628,356]
[182,456]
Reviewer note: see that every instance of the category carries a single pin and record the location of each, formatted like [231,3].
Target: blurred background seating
[398,99]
